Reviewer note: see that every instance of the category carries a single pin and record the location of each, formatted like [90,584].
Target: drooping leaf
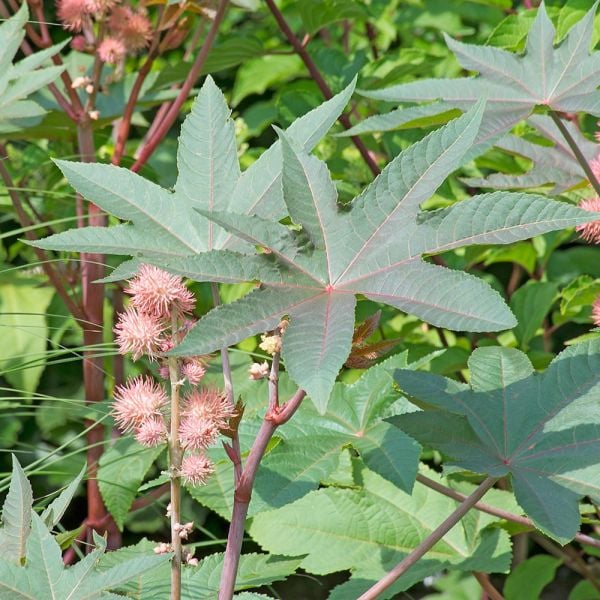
[564,78]
[23,78]
[121,469]
[373,248]
[383,525]
[16,516]
[543,430]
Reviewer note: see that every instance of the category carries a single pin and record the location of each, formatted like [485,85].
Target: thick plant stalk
[431,540]
[92,268]
[576,151]
[175,458]
[243,491]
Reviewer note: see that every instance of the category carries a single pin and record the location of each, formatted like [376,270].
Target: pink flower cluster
[127,30]
[155,296]
[156,319]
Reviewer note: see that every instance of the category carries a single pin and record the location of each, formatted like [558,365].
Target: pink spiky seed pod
[596,312]
[111,50]
[152,432]
[100,7]
[72,13]
[156,292]
[138,401]
[132,27]
[197,434]
[79,43]
[595,166]
[209,404]
[196,469]
[193,370]
[590,232]
[139,333]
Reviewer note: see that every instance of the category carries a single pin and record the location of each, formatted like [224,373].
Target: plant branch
[51,272]
[125,121]
[433,538]
[320,81]
[569,557]
[243,492]
[486,585]
[497,512]
[194,73]
[576,151]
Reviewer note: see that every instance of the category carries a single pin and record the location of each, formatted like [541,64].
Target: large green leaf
[372,248]
[564,78]
[369,530]
[543,430]
[23,78]
[16,516]
[163,223]
[121,470]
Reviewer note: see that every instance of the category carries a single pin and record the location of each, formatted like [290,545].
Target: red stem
[243,492]
[191,78]
[92,268]
[320,81]
[486,585]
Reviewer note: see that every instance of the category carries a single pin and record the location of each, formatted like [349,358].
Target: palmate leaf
[543,430]
[162,223]
[564,78]
[23,78]
[551,164]
[372,248]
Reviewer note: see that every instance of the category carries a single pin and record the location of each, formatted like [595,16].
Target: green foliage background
[342,465]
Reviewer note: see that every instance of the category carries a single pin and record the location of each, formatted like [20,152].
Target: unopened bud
[259,370]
